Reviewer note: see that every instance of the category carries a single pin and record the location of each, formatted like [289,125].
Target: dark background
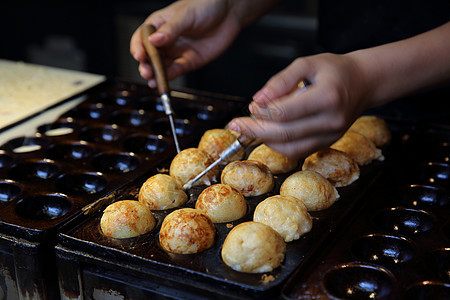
[94,37]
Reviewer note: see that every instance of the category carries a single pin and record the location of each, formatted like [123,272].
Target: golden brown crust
[360,148]
[222,203]
[190,162]
[314,190]
[126,219]
[374,128]
[162,191]
[276,162]
[253,247]
[214,141]
[249,177]
[336,166]
[285,214]
[186,231]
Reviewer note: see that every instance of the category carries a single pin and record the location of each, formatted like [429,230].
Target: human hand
[299,122]
[190,34]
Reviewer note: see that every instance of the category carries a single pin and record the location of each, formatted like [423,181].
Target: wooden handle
[155,59]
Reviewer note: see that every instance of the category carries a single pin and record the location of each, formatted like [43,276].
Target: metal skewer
[161,78]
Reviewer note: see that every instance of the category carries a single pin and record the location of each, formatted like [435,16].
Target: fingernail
[157,37]
[250,107]
[261,97]
[234,126]
[152,83]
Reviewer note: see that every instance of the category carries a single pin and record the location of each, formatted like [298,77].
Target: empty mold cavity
[359,281]
[182,127]
[131,118]
[81,183]
[9,190]
[101,134]
[71,151]
[25,144]
[43,207]
[5,159]
[145,144]
[207,112]
[58,128]
[440,153]
[439,263]
[34,170]
[404,221]
[428,290]
[115,162]
[94,111]
[434,173]
[383,249]
[422,196]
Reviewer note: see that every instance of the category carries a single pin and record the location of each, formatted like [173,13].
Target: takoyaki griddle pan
[117,134]
[398,244]
[142,262]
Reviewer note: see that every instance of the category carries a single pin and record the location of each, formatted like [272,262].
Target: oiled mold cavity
[131,118]
[5,159]
[34,170]
[428,290]
[115,162]
[60,128]
[439,263]
[207,112]
[145,144]
[25,144]
[440,153]
[434,173]
[383,249]
[69,150]
[182,127]
[81,183]
[9,190]
[94,111]
[184,111]
[422,196]
[359,281]
[101,134]
[43,207]
[404,221]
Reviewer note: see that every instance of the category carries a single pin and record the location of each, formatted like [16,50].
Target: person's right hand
[190,33]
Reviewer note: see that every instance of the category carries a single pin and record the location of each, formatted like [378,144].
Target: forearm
[248,11]
[397,69]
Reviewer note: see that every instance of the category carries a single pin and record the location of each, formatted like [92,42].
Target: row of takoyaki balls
[259,245]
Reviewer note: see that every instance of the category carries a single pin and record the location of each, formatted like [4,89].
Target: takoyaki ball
[190,162]
[214,141]
[314,190]
[186,231]
[373,128]
[286,214]
[162,191]
[360,148]
[222,203]
[277,162]
[249,177]
[126,219]
[253,247]
[336,166]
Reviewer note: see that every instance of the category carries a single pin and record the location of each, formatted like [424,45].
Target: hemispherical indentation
[404,221]
[385,250]
[69,150]
[145,144]
[421,196]
[5,159]
[182,127]
[184,111]
[81,183]
[131,118]
[439,263]
[359,281]
[94,111]
[25,144]
[43,207]
[63,127]
[33,170]
[428,290]
[9,190]
[434,173]
[440,153]
[115,162]
[101,134]
[207,113]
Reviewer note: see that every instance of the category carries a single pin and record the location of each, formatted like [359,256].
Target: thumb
[168,32]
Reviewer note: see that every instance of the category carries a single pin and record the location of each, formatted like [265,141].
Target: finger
[137,48]
[145,70]
[168,32]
